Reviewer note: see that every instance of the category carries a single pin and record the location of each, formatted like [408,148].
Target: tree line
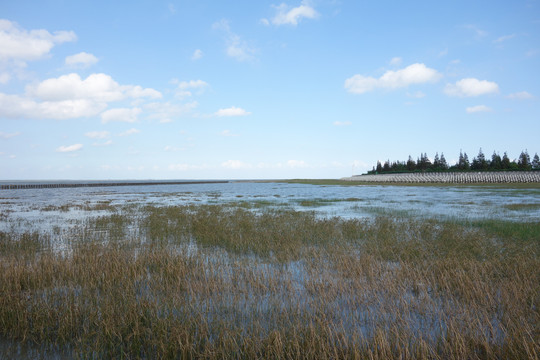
[478,163]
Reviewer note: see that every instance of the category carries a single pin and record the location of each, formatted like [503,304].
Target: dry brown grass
[221,282]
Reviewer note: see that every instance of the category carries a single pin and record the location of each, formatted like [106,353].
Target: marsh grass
[521,207]
[220,281]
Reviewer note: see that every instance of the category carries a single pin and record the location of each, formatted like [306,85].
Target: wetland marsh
[270,270]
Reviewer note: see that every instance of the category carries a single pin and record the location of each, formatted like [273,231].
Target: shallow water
[39,209]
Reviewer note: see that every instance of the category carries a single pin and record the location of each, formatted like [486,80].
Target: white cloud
[68,97]
[291,16]
[70,148]
[120,114]
[4,135]
[478,109]
[396,61]
[265,22]
[82,59]
[471,87]
[523,95]
[184,88]
[197,54]
[232,111]
[235,46]
[97,87]
[129,132]
[17,44]
[15,107]
[342,123]
[97,134]
[412,74]
[504,38]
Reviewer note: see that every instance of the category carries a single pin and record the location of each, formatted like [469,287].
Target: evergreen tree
[436,162]
[480,162]
[496,162]
[443,165]
[386,166]
[463,162]
[411,164]
[379,167]
[524,161]
[505,162]
[466,165]
[536,162]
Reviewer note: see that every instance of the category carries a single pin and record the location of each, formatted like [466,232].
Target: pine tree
[442,163]
[524,161]
[411,164]
[505,162]
[496,162]
[466,165]
[436,162]
[379,167]
[536,162]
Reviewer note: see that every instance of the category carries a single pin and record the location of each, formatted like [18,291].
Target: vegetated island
[480,170]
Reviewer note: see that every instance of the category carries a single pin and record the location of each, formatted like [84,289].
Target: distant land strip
[452,177]
[103,184]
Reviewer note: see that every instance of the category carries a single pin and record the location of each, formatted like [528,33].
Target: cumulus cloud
[17,44]
[522,95]
[412,74]
[235,46]
[120,114]
[470,87]
[98,87]
[70,148]
[478,109]
[69,97]
[97,134]
[232,111]
[185,88]
[197,54]
[82,59]
[19,107]
[292,16]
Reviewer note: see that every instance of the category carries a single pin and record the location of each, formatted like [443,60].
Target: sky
[240,89]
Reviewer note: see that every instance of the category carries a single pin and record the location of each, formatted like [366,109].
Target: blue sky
[261,89]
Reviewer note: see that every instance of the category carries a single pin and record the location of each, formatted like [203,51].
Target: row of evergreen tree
[478,163]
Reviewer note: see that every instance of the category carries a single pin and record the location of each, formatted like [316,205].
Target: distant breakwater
[101,184]
[451,177]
